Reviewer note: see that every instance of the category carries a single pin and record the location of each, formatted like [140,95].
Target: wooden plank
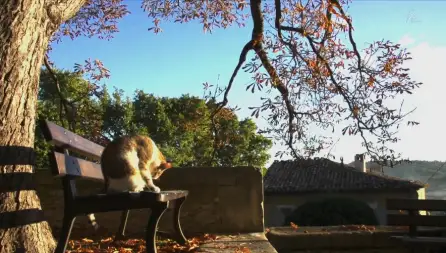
[416,204]
[439,241]
[61,137]
[73,166]
[417,220]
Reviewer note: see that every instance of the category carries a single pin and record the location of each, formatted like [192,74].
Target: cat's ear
[167,165]
[163,167]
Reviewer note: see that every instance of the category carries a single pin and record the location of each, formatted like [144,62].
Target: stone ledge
[230,243]
[336,239]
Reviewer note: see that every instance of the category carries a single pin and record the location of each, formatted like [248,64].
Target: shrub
[331,212]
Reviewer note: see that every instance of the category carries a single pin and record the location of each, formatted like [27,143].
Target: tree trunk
[26,27]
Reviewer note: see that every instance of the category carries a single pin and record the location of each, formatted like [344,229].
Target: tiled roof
[323,175]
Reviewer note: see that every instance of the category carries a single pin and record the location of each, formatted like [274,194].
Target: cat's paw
[154,188]
[138,189]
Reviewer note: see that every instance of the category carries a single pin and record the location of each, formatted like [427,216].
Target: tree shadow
[16,182]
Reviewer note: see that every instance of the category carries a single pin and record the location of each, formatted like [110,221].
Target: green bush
[331,212]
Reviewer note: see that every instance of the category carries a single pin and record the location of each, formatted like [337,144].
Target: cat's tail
[92,221]
[91,217]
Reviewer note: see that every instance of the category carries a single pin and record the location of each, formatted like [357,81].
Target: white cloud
[426,141]
[406,40]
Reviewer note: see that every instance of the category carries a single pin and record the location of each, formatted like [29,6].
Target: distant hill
[422,171]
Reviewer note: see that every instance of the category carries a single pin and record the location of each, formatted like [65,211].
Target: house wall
[377,201]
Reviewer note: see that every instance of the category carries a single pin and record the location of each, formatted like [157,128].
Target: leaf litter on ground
[109,245]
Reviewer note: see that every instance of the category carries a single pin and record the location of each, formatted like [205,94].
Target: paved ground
[242,243]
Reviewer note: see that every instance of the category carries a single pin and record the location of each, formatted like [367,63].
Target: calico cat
[130,163]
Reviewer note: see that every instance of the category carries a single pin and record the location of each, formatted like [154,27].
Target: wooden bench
[70,168]
[409,215]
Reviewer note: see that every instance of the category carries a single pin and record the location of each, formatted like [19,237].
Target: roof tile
[324,175]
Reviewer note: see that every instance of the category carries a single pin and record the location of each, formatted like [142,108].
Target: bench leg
[67,225]
[179,236]
[121,231]
[157,211]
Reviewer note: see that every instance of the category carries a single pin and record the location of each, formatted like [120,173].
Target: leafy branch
[322,71]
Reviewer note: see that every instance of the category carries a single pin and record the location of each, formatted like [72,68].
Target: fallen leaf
[243,250]
[109,245]
[294,226]
[87,240]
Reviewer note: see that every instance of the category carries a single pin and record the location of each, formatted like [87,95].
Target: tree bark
[26,27]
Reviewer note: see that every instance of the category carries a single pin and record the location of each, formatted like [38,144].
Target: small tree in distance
[319,81]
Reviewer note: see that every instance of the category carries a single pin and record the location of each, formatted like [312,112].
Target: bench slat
[417,220]
[165,196]
[162,196]
[60,137]
[416,204]
[73,166]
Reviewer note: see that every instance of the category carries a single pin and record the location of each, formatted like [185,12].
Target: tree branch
[63,10]
[316,67]
[64,102]
[223,103]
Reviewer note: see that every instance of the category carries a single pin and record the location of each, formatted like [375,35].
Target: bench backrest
[411,217]
[62,164]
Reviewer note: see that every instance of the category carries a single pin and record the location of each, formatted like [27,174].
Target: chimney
[360,163]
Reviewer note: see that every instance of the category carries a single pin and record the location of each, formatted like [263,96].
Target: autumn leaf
[243,250]
[355,111]
[371,81]
[294,226]
[333,10]
[106,240]
[340,64]
[299,7]
[389,65]
[87,240]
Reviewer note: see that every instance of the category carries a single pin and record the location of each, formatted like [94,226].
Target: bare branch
[64,102]
[223,103]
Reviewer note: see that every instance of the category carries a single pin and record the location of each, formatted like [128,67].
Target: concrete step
[242,243]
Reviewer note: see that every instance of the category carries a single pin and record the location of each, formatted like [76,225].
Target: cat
[131,163]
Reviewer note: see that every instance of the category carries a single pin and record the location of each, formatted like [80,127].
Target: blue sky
[181,58]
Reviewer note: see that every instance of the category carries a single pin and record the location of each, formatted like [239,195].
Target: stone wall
[221,200]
